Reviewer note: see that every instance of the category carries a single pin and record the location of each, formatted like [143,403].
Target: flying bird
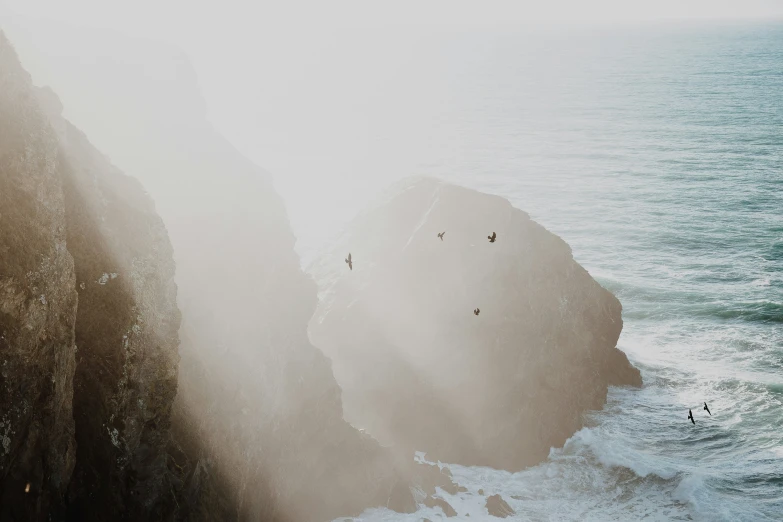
[492,237]
[441,235]
[690,416]
[707,409]
[349,261]
[476,311]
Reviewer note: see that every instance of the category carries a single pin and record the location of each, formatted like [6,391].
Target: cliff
[37,307]
[256,429]
[257,426]
[420,370]
[114,251]
[126,331]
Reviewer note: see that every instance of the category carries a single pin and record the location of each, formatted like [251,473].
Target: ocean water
[657,153]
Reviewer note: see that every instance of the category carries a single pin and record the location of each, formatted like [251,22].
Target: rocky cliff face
[126,331]
[111,248]
[419,369]
[258,431]
[37,307]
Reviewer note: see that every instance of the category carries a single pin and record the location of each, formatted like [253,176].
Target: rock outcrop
[105,241]
[497,507]
[420,370]
[37,307]
[442,504]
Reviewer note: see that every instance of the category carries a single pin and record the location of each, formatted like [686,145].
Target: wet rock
[427,477]
[497,507]
[401,499]
[439,502]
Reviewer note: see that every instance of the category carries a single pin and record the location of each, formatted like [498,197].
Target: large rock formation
[101,227]
[258,431]
[419,369]
[37,307]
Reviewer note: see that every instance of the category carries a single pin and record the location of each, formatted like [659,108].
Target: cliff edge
[87,423]
[37,307]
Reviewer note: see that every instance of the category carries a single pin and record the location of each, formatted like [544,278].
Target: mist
[315,261]
[348,83]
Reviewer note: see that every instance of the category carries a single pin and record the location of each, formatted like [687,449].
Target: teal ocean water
[657,154]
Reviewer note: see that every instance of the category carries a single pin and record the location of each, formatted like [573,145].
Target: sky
[312,91]
[175,18]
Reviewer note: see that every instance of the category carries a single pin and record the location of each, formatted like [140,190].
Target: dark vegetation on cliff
[420,370]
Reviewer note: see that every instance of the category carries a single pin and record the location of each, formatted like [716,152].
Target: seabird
[349,261]
[492,237]
[707,409]
[441,235]
[476,311]
[690,416]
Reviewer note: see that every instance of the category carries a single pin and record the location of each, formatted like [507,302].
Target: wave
[610,454]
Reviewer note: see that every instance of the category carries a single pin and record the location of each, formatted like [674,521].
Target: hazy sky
[295,88]
[179,17]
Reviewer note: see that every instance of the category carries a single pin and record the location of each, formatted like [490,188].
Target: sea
[656,152]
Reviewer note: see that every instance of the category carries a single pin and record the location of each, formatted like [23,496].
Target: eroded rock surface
[72,222]
[37,307]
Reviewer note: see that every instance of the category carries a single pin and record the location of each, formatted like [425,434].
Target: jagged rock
[401,499]
[427,477]
[497,507]
[37,307]
[439,502]
[419,370]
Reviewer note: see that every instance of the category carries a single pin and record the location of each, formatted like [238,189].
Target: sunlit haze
[391,261]
[334,99]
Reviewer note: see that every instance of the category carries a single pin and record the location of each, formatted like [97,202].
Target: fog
[344,95]
[267,136]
